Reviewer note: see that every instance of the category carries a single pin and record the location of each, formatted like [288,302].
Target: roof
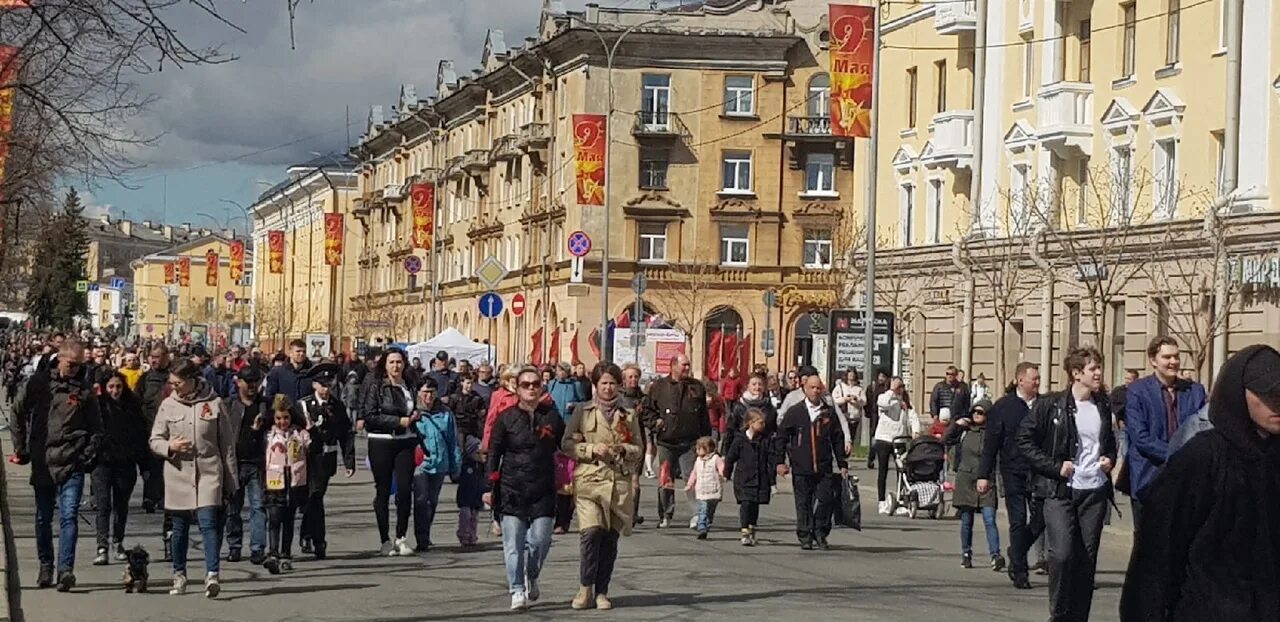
[330,162]
[179,249]
[101,231]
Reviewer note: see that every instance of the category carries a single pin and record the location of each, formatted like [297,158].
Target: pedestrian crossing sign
[82,287]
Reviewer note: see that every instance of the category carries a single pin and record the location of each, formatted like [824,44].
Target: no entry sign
[517,305]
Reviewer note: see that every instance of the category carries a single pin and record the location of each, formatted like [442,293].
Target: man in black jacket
[950,396]
[676,412]
[1070,446]
[330,429]
[1000,444]
[250,414]
[811,439]
[291,378]
[57,429]
[153,387]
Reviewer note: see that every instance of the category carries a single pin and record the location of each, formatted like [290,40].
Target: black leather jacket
[384,405]
[1048,437]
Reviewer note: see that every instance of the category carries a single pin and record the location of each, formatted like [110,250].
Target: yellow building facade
[306,298]
[217,315]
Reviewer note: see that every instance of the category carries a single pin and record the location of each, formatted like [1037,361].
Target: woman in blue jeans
[965,435]
[197,441]
[522,470]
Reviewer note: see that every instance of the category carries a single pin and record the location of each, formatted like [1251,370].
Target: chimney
[126,227]
[168,232]
[105,219]
[186,226]
[148,224]
[230,234]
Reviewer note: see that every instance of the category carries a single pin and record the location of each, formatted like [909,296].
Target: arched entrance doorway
[723,343]
[807,324]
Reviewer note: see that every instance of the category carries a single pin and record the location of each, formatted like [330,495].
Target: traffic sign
[151,328]
[412,264]
[117,282]
[639,284]
[230,296]
[576,270]
[490,305]
[491,272]
[517,305]
[579,244]
[82,287]
[771,298]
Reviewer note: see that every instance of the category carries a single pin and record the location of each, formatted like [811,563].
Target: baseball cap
[1262,373]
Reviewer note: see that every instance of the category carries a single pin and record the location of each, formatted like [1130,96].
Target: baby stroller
[921,466]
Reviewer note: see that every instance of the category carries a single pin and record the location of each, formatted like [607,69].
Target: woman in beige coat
[605,439]
[195,437]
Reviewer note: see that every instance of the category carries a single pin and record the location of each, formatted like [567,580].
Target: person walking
[389,419]
[124,447]
[442,457]
[755,395]
[57,429]
[1207,547]
[1068,442]
[521,465]
[872,411]
[750,465]
[706,482]
[1155,407]
[197,440]
[811,442]
[950,396]
[850,400]
[248,411]
[285,477]
[1000,448]
[566,391]
[677,409]
[331,440]
[797,395]
[291,379]
[965,435]
[603,436]
[896,420]
[154,389]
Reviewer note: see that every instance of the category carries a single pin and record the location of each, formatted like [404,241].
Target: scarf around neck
[607,407]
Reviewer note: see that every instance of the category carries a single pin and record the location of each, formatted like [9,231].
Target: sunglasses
[530,385]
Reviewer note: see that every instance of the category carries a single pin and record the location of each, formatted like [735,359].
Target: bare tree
[684,293]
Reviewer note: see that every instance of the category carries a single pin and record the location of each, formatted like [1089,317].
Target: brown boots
[584,598]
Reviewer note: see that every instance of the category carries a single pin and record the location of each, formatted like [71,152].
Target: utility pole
[869,314]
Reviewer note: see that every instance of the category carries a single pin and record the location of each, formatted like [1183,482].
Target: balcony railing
[453,167]
[658,124]
[1065,116]
[809,126]
[533,136]
[955,16]
[504,148]
[475,161]
[393,192]
[952,141]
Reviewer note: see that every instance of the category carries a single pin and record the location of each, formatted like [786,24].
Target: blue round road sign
[579,244]
[412,264]
[490,305]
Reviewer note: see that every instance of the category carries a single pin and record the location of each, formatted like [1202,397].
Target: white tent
[455,343]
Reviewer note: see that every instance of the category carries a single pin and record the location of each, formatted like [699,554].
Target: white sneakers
[212,587]
[693,522]
[884,508]
[402,547]
[519,601]
[179,585]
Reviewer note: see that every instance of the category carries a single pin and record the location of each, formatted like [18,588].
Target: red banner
[589,136]
[211,260]
[537,348]
[275,251]
[170,274]
[9,65]
[334,232]
[424,203]
[236,269]
[852,69]
[184,271]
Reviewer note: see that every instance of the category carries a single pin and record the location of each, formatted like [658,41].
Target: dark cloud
[348,53]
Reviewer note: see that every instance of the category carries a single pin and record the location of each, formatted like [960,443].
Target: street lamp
[609,52]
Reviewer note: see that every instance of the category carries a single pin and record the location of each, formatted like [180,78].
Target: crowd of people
[212,437]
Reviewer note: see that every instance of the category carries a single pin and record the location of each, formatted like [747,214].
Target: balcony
[955,17]
[475,161]
[533,136]
[428,174]
[394,192]
[659,125]
[504,149]
[453,167]
[952,142]
[1065,122]
[809,127]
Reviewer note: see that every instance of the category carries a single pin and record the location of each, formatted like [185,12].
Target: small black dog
[135,572]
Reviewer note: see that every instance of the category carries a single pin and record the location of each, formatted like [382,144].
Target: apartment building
[214,312]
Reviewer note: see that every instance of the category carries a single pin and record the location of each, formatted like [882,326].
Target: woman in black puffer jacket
[124,447]
[388,414]
[756,395]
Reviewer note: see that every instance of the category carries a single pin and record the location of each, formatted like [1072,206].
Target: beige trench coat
[604,489]
[202,476]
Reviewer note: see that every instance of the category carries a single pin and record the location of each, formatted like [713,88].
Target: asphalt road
[896,569]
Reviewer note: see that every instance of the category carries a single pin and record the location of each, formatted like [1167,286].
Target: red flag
[594,341]
[728,353]
[712,366]
[573,348]
[553,356]
[744,356]
[623,320]
[537,348]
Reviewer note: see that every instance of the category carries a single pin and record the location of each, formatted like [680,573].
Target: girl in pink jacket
[285,482]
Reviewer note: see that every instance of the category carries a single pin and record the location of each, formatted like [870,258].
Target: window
[819,173]
[653,169]
[1086,50]
[739,92]
[819,96]
[1021,199]
[935,211]
[1167,178]
[655,100]
[1122,181]
[1173,36]
[173,305]
[733,245]
[210,306]
[1082,201]
[1218,138]
[1116,355]
[940,85]
[907,200]
[912,86]
[817,249]
[1128,55]
[1222,25]
[653,242]
[737,172]
[1028,66]
[413,280]
[1162,316]
[1073,325]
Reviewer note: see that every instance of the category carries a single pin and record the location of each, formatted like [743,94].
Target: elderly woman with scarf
[604,438]
[1208,546]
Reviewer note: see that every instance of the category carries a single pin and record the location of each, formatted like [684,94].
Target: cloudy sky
[229,128]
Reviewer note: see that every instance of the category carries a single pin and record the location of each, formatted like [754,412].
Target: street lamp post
[609,51]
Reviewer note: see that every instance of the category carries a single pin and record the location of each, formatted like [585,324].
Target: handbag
[848,511]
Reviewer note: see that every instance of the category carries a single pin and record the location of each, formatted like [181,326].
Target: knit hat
[984,404]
